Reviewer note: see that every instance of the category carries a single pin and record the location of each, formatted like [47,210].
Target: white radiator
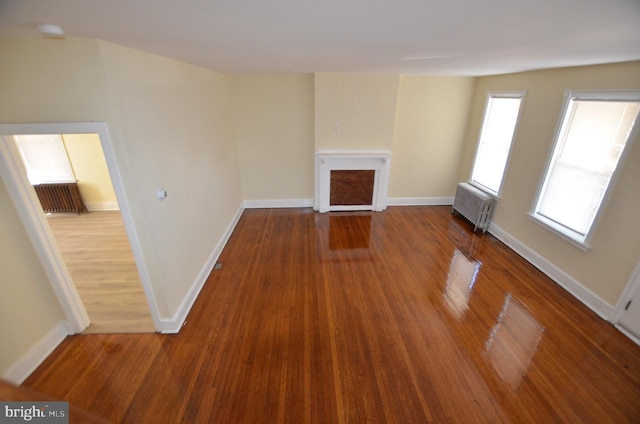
[474,204]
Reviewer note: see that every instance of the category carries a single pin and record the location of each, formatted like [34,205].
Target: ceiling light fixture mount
[50,31]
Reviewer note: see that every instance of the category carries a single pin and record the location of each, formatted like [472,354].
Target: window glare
[45,158]
[495,141]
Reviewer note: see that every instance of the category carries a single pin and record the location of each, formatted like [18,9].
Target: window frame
[509,94]
[582,242]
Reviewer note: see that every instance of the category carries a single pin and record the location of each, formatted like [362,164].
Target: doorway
[53,246]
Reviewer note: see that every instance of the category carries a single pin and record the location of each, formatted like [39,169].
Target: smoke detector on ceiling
[50,31]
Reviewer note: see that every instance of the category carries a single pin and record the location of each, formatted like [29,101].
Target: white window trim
[510,94]
[583,243]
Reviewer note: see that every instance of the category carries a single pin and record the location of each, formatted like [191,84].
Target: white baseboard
[173,325]
[23,367]
[308,203]
[627,333]
[102,206]
[580,292]
[419,201]
[278,203]
[583,294]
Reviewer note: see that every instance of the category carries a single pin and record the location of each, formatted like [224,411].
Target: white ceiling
[455,37]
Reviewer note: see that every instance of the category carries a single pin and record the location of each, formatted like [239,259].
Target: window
[590,144]
[45,158]
[498,130]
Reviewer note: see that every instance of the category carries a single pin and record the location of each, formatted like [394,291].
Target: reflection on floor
[513,341]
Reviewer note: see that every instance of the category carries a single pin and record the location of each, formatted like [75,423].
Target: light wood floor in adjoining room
[401,316]
[98,255]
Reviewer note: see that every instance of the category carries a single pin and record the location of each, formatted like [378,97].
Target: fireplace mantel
[330,160]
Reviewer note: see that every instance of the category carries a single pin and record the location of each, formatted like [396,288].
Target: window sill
[484,189]
[560,232]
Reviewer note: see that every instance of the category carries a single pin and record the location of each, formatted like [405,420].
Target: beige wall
[607,266]
[362,106]
[27,311]
[170,126]
[175,131]
[431,121]
[51,81]
[422,120]
[90,169]
[273,116]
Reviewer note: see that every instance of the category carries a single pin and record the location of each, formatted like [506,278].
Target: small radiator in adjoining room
[60,197]
[474,204]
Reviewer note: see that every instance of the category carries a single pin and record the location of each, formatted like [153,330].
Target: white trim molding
[420,201]
[632,287]
[564,280]
[278,203]
[39,232]
[329,160]
[308,203]
[23,367]
[627,333]
[174,324]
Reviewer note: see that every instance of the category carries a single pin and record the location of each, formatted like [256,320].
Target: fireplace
[351,180]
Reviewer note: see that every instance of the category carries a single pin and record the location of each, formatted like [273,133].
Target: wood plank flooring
[98,255]
[402,316]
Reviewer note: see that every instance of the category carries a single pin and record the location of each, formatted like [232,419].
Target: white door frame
[631,290]
[26,203]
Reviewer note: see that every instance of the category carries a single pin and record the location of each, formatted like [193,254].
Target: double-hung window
[594,133]
[498,130]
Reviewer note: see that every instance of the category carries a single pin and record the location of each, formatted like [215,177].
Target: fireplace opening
[351,187]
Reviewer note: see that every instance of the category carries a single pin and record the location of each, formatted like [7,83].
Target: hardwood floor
[402,316]
[99,258]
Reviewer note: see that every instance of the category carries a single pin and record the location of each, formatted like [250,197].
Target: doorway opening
[93,260]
